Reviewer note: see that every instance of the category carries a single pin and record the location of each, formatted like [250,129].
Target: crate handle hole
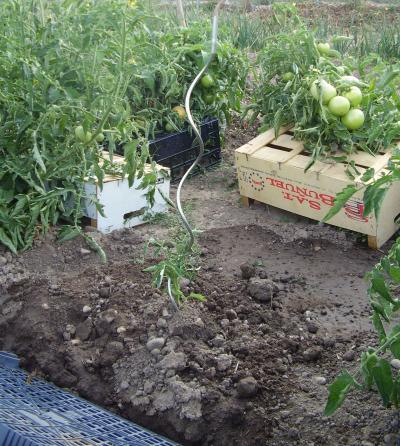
[129,215]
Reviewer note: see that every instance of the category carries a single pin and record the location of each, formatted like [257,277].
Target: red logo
[354,209]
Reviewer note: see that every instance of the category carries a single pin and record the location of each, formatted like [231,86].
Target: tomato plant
[63,92]
[330,109]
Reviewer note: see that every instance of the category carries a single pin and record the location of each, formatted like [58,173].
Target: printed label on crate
[299,193]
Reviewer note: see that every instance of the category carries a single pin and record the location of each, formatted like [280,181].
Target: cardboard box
[123,206]
[271,170]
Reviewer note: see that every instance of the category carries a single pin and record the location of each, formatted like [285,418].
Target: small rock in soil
[247,387]
[395,363]
[248,271]
[84,251]
[86,309]
[312,354]
[349,356]
[312,327]
[262,290]
[70,329]
[319,380]
[121,330]
[3,261]
[155,343]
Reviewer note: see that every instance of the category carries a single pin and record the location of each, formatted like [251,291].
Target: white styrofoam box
[123,206]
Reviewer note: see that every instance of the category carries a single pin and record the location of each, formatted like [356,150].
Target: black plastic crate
[178,150]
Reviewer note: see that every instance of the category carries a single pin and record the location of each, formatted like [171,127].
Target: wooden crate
[123,206]
[271,170]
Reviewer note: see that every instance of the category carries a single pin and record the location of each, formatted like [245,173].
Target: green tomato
[341,69]
[352,80]
[339,106]
[354,95]
[81,135]
[209,98]
[323,48]
[100,137]
[169,128]
[88,137]
[354,119]
[288,76]
[207,81]
[321,87]
[334,53]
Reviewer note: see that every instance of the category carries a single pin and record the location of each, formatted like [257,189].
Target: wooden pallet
[271,170]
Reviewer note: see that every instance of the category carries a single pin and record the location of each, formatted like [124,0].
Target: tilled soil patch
[247,367]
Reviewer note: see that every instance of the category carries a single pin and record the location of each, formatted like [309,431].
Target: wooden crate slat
[260,141]
[301,162]
[287,141]
[363,159]
[269,154]
[338,171]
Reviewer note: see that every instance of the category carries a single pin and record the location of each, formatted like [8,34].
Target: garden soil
[286,309]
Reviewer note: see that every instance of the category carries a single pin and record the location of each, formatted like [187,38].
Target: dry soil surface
[286,310]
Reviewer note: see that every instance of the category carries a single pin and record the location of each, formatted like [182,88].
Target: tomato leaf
[382,374]
[340,200]
[338,391]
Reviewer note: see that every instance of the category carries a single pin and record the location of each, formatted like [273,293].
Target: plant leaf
[340,200]
[382,373]
[338,391]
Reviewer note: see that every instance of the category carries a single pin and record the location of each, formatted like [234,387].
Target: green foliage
[176,261]
[174,57]
[280,101]
[57,71]
[384,281]
[77,76]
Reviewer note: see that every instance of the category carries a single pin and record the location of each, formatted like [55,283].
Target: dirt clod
[247,387]
[312,327]
[312,354]
[349,356]
[262,290]
[248,271]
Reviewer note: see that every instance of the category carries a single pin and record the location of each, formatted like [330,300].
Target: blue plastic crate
[41,414]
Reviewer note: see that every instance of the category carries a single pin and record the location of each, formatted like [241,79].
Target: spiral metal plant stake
[198,137]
